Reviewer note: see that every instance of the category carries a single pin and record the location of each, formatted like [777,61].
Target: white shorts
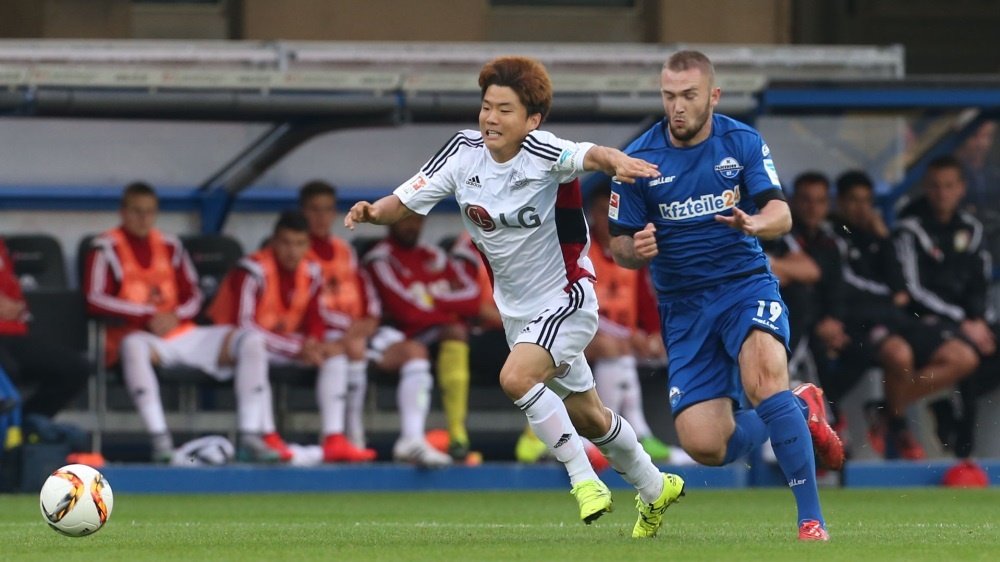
[564,328]
[198,347]
[383,338]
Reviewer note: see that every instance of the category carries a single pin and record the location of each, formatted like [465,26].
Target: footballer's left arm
[776,219]
[772,220]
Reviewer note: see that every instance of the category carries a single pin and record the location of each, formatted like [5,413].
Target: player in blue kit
[724,324]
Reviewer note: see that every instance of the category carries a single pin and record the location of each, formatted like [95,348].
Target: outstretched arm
[387,210]
[614,162]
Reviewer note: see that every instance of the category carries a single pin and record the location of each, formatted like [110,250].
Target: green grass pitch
[870,525]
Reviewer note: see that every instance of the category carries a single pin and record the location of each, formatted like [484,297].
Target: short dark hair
[808,177]
[526,76]
[291,220]
[853,179]
[945,162]
[683,60]
[138,189]
[316,188]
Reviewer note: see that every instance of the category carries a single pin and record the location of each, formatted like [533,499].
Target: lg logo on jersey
[525,217]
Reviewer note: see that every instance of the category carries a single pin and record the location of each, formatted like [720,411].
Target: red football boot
[596,458]
[829,449]
[811,530]
[906,446]
[274,441]
[336,448]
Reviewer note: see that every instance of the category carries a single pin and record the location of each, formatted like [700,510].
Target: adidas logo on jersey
[473,182]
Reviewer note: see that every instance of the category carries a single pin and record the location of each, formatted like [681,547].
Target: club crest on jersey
[675,396]
[708,204]
[525,217]
[518,180]
[728,168]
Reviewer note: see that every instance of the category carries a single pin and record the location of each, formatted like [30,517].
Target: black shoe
[458,451]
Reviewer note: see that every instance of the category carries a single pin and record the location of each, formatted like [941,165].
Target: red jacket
[114,256]
[249,284]
[347,293]
[10,287]
[420,287]
[626,297]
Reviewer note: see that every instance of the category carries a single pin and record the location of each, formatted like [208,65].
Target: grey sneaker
[163,448]
[420,453]
[252,448]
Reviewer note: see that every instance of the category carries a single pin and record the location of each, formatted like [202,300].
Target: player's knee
[414,350]
[961,355]
[134,348]
[517,382]
[356,348]
[896,352]
[248,344]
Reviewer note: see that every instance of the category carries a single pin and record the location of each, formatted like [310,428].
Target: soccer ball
[76,500]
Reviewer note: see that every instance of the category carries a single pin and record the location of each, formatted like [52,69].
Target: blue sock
[794,449]
[750,433]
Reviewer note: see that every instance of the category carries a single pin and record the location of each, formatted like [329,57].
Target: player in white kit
[533,236]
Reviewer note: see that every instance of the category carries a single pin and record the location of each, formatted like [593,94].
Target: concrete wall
[386,20]
[664,21]
[75,19]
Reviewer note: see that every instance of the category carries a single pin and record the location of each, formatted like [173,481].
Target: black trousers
[48,375]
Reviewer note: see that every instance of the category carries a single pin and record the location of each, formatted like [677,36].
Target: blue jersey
[730,169]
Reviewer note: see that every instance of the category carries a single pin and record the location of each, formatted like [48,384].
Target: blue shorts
[704,331]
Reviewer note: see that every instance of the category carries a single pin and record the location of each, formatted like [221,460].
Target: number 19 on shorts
[773,308]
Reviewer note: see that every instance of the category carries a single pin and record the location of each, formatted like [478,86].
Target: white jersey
[530,229]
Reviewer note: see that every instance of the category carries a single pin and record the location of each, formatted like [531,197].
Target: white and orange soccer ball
[76,500]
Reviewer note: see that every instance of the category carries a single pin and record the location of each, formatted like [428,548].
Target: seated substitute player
[808,294]
[915,355]
[275,293]
[349,310]
[723,321]
[55,373]
[533,235]
[145,279]
[948,272]
[430,300]
[628,331]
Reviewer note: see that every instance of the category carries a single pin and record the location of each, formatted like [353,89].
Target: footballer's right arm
[635,251]
[387,210]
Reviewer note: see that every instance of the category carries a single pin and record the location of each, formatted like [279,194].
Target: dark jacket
[945,266]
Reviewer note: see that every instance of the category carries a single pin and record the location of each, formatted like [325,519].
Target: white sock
[631,404]
[267,419]
[331,394]
[548,418]
[413,397]
[629,459]
[253,389]
[357,384]
[140,379]
[610,382]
